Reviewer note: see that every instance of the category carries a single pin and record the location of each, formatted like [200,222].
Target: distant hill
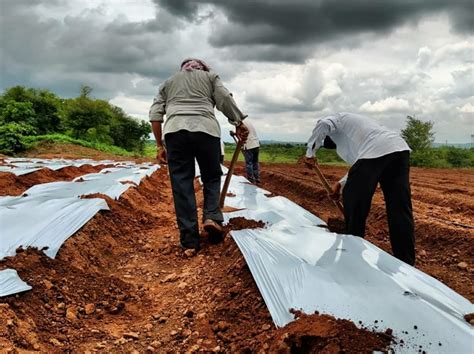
[461,146]
[273,142]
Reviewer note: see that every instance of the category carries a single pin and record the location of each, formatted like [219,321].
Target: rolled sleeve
[158,107]
[226,104]
[322,128]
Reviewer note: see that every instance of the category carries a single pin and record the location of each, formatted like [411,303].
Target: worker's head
[194,64]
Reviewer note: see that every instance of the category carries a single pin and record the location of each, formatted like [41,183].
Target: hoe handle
[326,186]
[235,156]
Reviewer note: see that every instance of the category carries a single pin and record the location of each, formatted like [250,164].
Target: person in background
[191,131]
[250,150]
[376,155]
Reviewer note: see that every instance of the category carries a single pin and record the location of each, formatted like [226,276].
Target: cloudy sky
[288,62]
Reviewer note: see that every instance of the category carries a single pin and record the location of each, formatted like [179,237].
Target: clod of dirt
[469,318]
[129,182]
[240,223]
[271,195]
[230,194]
[336,225]
[325,334]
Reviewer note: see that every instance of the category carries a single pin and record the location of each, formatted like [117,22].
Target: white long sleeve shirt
[252,139]
[356,137]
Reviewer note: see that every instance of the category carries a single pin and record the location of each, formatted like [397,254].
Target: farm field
[122,284]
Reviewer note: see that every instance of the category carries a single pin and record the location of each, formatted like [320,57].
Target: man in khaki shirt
[191,132]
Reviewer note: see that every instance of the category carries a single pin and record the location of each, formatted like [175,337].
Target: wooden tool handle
[326,186]
[235,156]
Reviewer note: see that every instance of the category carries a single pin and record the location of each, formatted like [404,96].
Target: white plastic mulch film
[47,214]
[297,264]
[10,283]
[22,166]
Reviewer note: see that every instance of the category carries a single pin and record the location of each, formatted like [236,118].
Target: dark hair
[329,143]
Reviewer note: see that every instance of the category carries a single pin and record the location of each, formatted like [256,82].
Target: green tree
[127,132]
[419,135]
[88,119]
[12,137]
[18,112]
[38,108]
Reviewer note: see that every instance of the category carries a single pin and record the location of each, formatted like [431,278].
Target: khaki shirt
[188,98]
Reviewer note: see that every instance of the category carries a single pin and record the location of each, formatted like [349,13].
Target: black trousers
[392,172]
[183,147]
[252,165]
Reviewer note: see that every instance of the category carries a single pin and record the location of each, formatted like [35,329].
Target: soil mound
[325,334]
[62,298]
[13,185]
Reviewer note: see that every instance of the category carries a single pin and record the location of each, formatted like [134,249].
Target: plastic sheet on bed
[10,283]
[110,181]
[43,221]
[297,264]
[48,214]
[21,166]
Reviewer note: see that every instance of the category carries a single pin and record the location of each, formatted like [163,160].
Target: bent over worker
[377,155]
[192,132]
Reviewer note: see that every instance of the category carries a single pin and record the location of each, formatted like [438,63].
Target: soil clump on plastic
[336,225]
[240,223]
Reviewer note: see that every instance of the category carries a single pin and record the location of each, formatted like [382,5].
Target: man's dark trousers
[392,172]
[251,164]
[182,148]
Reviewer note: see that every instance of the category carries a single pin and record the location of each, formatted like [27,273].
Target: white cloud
[424,57]
[467,108]
[389,104]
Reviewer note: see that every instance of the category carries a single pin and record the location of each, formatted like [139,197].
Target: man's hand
[335,191]
[161,155]
[309,162]
[242,132]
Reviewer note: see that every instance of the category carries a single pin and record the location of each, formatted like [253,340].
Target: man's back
[190,102]
[360,137]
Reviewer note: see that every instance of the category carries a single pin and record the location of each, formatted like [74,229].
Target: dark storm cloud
[65,52]
[286,23]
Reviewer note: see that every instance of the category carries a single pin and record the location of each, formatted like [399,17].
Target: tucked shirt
[356,137]
[252,139]
[188,99]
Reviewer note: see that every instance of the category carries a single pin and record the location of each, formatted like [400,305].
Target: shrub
[459,157]
[12,137]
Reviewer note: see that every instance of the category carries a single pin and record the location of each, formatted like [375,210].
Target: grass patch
[287,153]
[32,141]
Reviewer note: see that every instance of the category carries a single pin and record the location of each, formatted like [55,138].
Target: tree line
[34,112]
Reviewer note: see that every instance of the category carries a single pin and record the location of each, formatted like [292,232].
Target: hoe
[235,156]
